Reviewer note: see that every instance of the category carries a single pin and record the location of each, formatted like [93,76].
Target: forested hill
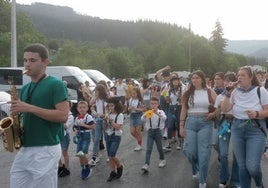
[63,22]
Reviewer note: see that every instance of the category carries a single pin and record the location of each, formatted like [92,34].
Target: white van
[72,75]
[97,76]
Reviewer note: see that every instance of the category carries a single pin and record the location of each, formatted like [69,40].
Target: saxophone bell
[7,133]
[11,128]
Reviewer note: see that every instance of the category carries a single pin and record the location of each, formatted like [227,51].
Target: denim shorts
[112,144]
[84,142]
[65,142]
[135,119]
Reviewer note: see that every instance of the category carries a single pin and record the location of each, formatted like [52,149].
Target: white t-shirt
[220,98]
[119,120]
[243,101]
[100,106]
[174,95]
[201,102]
[69,123]
[121,89]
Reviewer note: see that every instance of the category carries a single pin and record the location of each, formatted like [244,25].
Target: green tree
[217,40]
[26,34]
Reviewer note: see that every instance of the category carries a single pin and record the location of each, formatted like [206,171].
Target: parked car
[4,106]
[71,74]
[97,76]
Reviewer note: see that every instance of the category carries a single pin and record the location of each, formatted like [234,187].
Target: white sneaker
[162,163]
[167,148]
[178,147]
[145,168]
[138,148]
[202,185]
[92,162]
[196,176]
[107,160]
[221,185]
[79,154]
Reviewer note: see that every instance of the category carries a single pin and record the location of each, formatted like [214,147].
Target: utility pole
[189,50]
[13,35]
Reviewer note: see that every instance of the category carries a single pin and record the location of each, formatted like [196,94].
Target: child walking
[113,132]
[154,123]
[63,169]
[136,107]
[83,125]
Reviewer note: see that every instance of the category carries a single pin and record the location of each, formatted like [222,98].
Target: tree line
[117,48]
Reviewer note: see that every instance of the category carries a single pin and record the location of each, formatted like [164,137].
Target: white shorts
[36,167]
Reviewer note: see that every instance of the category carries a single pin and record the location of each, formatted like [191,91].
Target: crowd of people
[198,116]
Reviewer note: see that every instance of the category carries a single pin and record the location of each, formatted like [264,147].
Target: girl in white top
[196,125]
[176,89]
[136,107]
[99,103]
[248,127]
[113,132]
[224,136]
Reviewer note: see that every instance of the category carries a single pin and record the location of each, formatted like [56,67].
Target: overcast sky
[240,19]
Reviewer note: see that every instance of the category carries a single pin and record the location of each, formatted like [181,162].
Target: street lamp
[13,35]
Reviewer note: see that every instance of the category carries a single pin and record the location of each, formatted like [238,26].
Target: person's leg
[239,148]
[223,151]
[235,172]
[98,133]
[190,143]
[42,171]
[204,149]
[255,146]
[20,177]
[138,134]
[170,125]
[158,141]
[149,146]
[66,158]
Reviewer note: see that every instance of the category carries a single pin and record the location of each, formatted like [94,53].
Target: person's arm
[159,72]
[90,125]
[59,114]
[183,117]
[226,104]
[213,96]
[117,125]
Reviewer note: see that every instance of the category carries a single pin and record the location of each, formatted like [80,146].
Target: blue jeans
[112,144]
[197,144]
[173,118]
[224,170]
[97,133]
[65,142]
[248,144]
[84,142]
[154,135]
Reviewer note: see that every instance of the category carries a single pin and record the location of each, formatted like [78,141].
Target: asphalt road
[176,174]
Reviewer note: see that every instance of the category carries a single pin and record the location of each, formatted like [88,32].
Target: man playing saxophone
[44,107]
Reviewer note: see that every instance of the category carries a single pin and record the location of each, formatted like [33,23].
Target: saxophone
[10,127]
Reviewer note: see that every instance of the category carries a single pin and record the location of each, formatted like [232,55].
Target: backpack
[259,95]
